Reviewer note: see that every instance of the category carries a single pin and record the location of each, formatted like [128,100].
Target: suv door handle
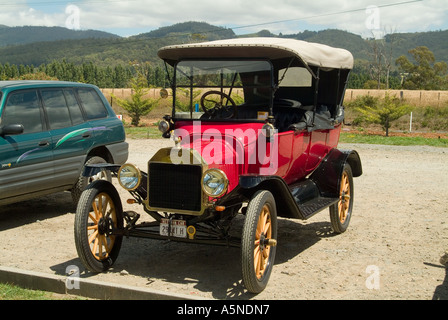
[86,135]
[44,143]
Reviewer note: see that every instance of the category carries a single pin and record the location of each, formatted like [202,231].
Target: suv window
[23,108]
[62,108]
[73,107]
[92,103]
[56,107]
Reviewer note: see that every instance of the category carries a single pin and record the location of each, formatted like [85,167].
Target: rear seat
[288,114]
[292,118]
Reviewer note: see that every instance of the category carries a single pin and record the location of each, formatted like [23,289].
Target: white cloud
[240,14]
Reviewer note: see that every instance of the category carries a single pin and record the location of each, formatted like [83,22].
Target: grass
[395,141]
[150,132]
[12,292]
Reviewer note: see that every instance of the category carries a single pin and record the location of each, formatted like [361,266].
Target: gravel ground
[398,232]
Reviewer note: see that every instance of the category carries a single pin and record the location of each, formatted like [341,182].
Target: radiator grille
[175,187]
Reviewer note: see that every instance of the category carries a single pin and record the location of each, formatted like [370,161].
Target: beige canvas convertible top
[311,54]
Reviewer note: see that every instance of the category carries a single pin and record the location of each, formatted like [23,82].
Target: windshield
[223,89]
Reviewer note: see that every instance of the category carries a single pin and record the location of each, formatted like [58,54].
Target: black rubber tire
[106,191]
[257,283]
[339,221]
[82,182]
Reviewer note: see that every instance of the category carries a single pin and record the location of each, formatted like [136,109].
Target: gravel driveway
[391,250]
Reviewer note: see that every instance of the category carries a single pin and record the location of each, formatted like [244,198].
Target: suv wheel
[83,182]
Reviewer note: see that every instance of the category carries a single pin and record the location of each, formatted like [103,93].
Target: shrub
[137,106]
[381,111]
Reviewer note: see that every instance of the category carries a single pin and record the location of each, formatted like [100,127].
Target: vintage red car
[255,124]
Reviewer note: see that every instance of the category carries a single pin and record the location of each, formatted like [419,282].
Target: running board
[314,206]
[308,198]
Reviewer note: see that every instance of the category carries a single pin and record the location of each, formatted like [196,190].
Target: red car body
[298,154]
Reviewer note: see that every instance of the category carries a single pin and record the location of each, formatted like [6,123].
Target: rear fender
[328,174]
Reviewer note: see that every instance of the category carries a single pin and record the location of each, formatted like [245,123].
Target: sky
[363,17]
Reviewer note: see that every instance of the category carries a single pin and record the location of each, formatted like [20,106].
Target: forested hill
[102,49]
[28,34]
[189,31]
[111,51]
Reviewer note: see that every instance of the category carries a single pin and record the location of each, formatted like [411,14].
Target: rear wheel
[99,213]
[258,243]
[341,212]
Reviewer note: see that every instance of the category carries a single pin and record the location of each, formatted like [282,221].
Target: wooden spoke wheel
[340,213]
[258,244]
[98,216]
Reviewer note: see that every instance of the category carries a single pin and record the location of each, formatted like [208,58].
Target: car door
[97,115]
[71,136]
[26,160]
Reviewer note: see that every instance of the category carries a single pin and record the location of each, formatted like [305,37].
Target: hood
[222,145]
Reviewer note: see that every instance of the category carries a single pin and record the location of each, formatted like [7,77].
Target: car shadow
[441,291]
[39,209]
[203,268]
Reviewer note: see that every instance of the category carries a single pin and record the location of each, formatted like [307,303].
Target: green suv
[49,130]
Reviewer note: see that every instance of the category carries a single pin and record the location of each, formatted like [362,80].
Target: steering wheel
[212,103]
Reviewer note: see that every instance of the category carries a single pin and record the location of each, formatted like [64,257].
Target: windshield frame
[270,85]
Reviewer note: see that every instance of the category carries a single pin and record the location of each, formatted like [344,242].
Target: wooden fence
[413,97]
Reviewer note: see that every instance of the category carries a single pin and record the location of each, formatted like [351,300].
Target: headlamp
[214,183]
[129,177]
[164,126]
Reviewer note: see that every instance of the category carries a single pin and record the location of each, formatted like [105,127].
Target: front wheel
[258,244]
[341,212]
[98,215]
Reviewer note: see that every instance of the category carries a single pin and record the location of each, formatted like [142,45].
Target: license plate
[178,228]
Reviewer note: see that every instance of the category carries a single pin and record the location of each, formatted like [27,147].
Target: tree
[35,76]
[424,73]
[381,52]
[137,106]
[382,111]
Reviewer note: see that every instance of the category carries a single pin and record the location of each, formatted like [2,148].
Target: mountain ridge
[106,49]
[32,34]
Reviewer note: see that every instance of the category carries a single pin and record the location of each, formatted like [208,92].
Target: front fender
[286,203]
[93,169]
